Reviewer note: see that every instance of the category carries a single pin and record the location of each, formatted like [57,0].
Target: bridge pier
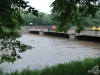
[72,37]
[41,33]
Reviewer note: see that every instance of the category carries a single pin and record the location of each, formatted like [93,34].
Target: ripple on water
[49,50]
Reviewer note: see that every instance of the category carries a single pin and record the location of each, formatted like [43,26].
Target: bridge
[71,32]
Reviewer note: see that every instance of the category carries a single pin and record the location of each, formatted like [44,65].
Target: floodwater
[50,50]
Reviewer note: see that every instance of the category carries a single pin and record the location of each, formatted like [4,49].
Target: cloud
[41,5]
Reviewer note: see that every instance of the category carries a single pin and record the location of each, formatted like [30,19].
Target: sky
[41,5]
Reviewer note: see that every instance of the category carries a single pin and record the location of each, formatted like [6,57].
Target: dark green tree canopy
[42,19]
[69,12]
[10,22]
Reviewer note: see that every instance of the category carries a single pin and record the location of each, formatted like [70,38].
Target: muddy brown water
[51,50]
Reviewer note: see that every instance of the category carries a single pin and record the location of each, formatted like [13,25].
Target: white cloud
[41,5]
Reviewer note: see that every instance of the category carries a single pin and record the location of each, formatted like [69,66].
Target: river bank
[50,50]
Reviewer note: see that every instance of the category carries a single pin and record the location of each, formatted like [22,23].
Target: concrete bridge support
[41,33]
[72,37]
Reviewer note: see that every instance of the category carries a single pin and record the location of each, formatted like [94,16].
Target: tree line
[46,19]
[42,19]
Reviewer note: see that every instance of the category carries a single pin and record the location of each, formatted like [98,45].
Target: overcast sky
[41,5]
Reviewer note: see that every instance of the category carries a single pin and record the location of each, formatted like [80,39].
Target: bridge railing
[47,27]
[53,27]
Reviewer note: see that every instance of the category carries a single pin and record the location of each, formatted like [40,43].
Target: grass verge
[71,68]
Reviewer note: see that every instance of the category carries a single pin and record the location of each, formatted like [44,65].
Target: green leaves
[5,30]
[10,22]
[68,12]
[7,58]
[10,48]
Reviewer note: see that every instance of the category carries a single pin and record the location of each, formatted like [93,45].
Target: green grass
[71,68]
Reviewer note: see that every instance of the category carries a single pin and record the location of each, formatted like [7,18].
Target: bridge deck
[86,32]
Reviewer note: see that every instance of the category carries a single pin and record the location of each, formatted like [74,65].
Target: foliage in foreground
[73,12]
[71,68]
[10,22]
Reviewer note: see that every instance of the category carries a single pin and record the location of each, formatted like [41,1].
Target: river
[51,50]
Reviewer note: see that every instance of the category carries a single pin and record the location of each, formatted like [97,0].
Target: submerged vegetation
[71,68]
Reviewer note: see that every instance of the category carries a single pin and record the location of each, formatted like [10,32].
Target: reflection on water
[49,50]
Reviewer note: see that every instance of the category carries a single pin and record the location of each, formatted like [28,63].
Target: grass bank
[71,68]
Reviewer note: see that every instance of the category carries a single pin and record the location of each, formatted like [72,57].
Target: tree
[42,19]
[29,18]
[93,21]
[46,19]
[71,13]
[10,22]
